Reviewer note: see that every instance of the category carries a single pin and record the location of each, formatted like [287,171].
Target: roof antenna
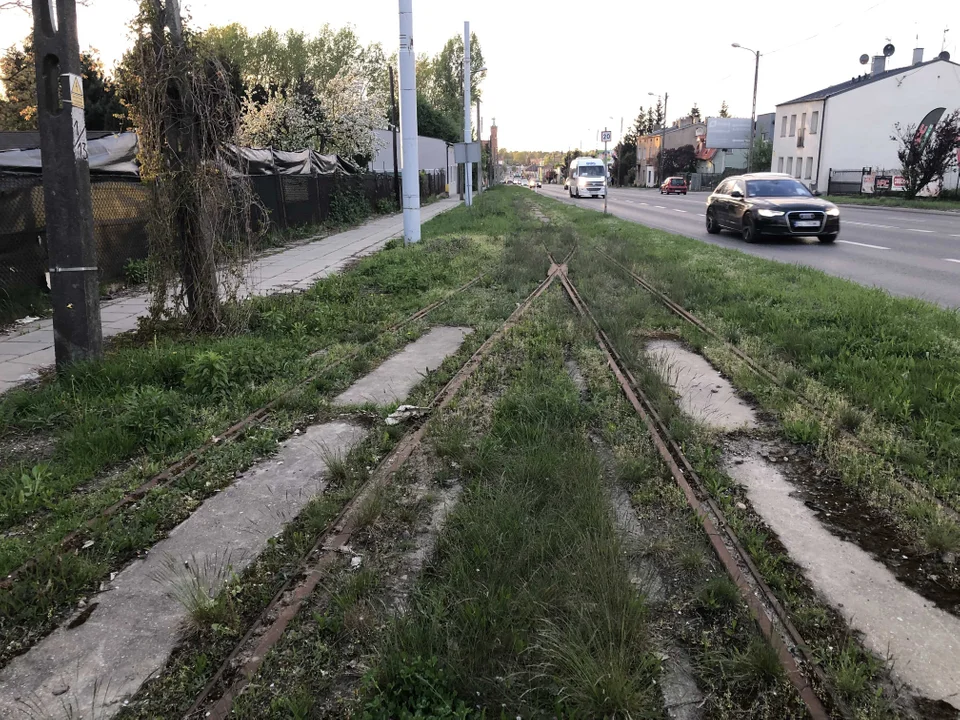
[943,44]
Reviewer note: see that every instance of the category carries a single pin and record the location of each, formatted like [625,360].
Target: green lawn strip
[443,262]
[859,676]
[894,201]
[527,608]
[894,359]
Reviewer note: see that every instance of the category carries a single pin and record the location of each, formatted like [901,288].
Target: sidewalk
[30,348]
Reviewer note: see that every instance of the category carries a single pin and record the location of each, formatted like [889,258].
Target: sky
[558,71]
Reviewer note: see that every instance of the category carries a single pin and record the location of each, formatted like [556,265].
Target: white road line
[643,203]
[660,206]
[952,259]
[851,242]
[886,227]
[921,231]
[676,210]
[955,236]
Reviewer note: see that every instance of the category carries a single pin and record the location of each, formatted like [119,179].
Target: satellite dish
[864,59]
[944,55]
[888,50]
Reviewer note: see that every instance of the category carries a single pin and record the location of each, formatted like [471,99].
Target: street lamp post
[753,112]
[663,137]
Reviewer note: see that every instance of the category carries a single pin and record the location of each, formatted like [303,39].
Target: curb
[893,208]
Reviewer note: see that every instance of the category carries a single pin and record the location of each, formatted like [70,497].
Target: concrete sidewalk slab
[137,621]
[30,348]
[392,381]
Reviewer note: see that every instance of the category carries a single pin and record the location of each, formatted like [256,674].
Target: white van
[588,178]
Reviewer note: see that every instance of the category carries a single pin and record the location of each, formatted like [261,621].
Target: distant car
[674,185]
[761,204]
[532,184]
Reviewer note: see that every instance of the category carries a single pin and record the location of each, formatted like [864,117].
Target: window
[724,187]
[814,122]
[741,187]
[803,122]
[793,125]
[783,126]
[778,187]
[808,174]
[799,167]
[780,164]
[789,166]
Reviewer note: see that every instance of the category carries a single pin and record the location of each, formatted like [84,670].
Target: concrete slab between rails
[922,640]
[704,394]
[394,379]
[137,621]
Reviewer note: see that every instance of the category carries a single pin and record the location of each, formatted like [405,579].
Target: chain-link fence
[120,209]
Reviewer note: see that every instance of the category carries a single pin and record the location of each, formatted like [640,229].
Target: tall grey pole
[479,140]
[606,190]
[753,113]
[408,126]
[467,136]
[72,254]
[663,139]
[394,128]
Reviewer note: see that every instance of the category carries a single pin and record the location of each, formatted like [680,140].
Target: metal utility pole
[606,134]
[753,112]
[408,126]
[620,159]
[394,122]
[72,254]
[480,141]
[663,137]
[467,135]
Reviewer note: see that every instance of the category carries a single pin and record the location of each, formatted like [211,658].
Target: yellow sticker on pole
[76,90]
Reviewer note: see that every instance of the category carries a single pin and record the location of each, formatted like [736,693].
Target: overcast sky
[559,70]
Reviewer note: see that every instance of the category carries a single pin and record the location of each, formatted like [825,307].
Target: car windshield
[591,171]
[676,181]
[777,188]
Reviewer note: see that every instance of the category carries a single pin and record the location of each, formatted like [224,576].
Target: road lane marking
[677,210]
[955,236]
[643,203]
[921,231]
[886,227]
[660,206]
[874,247]
[952,260]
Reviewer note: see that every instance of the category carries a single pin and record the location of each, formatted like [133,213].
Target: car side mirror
[736,194]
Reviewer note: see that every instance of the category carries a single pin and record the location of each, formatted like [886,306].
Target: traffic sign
[606,136]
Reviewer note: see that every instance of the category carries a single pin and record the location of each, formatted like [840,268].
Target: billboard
[728,133]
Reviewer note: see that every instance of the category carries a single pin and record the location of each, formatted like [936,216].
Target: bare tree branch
[24,5]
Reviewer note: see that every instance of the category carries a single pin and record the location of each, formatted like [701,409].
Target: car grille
[806,222]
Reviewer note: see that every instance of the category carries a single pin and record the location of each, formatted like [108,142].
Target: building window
[780,164]
[799,167]
[809,172]
[803,122]
[790,166]
[783,126]
[814,122]
[793,125]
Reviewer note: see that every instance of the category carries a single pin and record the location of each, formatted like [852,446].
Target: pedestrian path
[30,348]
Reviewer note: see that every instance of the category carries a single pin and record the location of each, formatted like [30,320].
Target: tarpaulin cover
[117,155]
[110,155]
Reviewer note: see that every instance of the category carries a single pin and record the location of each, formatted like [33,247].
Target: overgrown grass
[895,201]
[527,607]
[110,425]
[21,301]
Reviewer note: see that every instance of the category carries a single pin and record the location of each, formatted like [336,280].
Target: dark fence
[120,209]
[845,182]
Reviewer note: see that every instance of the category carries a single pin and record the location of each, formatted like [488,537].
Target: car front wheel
[749,230]
[713,227]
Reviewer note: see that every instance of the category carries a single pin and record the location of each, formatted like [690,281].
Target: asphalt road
[908,253]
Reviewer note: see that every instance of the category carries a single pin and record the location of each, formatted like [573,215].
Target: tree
[624,168]
[18,108]
[658,116]
[762,159]
[679,160]
[18,111]
[446,89]
[433,123]
[724,110]
[651,120]
[927,152]
[568,158]
[695,113]
[640,125]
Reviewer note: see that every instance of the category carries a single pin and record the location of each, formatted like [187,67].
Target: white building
[849,126]
[433,155]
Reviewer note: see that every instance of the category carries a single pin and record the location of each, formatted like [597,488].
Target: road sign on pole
[606,136]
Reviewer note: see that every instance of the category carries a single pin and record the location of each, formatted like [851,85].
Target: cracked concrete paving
[137,622]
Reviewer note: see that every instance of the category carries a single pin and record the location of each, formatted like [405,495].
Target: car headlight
[833,212]
[582,181]
[763,212]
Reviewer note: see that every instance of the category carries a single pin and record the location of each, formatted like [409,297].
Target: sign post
[71,252]
[605,136]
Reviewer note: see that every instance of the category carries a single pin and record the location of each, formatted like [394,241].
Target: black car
[761,204]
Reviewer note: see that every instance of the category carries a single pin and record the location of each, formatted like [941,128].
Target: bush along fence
[121,210]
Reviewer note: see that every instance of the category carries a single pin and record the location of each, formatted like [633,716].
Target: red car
[674,185]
